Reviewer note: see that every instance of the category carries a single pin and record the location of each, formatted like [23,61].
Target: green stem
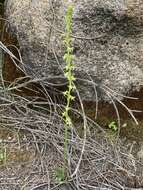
[68,57]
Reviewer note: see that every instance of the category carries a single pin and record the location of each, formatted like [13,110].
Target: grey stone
[107,41]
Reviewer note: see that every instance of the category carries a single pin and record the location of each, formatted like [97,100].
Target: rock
[107,41]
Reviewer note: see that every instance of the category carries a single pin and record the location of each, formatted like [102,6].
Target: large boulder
[107,41]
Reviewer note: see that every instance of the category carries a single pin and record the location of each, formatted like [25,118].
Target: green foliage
[68,72]
[60,175]
[3,155]
[112,125]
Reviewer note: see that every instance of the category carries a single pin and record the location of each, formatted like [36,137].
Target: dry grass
[34,157]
